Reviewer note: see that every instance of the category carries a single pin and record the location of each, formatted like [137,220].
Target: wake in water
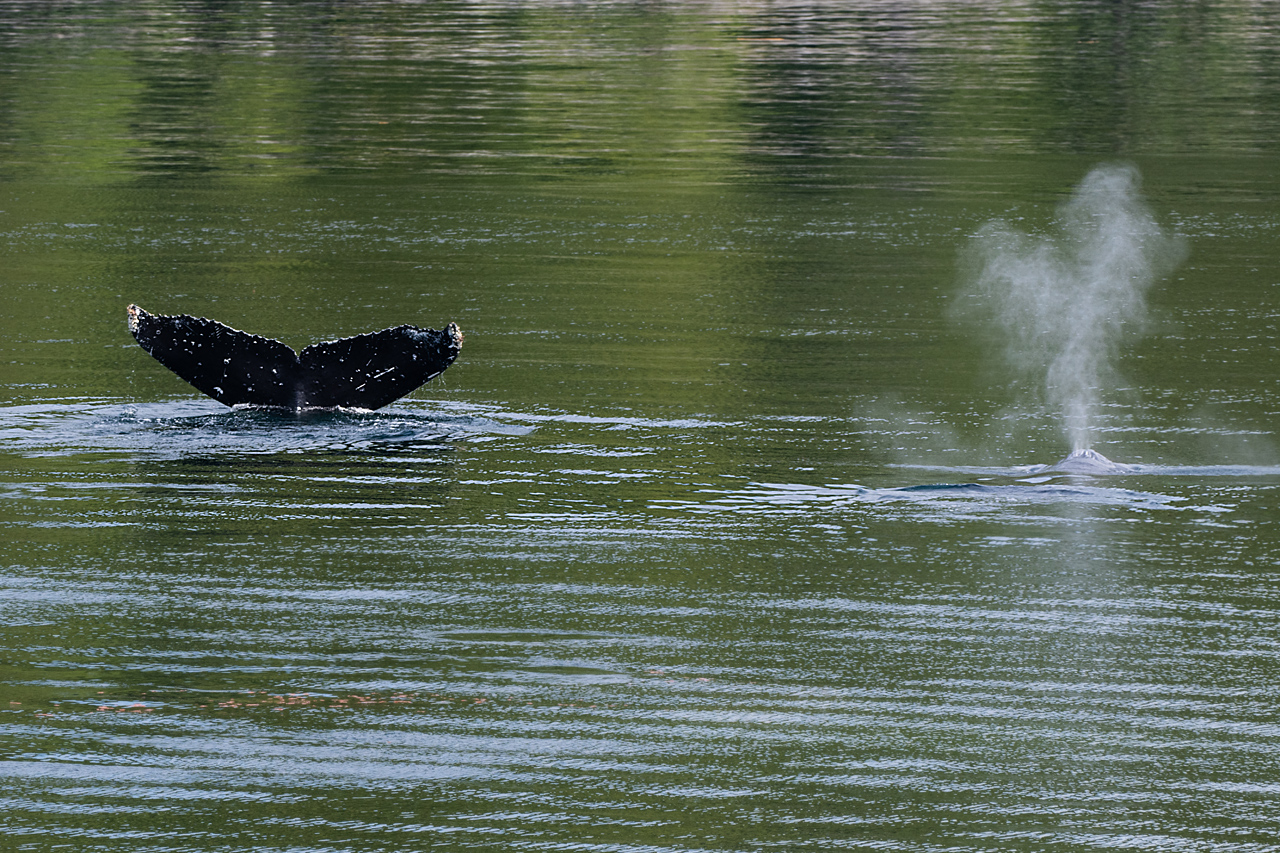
[194,428]
[941,501]
[1065,302]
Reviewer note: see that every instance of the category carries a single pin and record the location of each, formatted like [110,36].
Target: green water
[724,532]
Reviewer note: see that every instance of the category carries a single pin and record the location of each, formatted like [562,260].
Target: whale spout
[239,369]
[1088,461]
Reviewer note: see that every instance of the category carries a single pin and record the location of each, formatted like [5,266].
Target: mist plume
[1067,300]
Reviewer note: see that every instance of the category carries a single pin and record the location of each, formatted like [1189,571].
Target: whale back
[1088,461]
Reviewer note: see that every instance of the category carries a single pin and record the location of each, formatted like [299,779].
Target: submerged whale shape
[239,369]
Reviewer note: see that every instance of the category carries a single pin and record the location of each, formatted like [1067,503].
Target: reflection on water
[720,535]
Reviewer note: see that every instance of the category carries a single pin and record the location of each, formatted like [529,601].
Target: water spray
[1066,301]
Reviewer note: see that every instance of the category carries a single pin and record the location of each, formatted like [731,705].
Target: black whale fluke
[237,368]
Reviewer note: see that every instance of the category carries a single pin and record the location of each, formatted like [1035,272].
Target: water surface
[724,532]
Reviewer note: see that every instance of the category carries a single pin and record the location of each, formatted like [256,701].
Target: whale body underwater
[241,369]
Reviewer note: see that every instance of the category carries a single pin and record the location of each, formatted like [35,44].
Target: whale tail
[236,368]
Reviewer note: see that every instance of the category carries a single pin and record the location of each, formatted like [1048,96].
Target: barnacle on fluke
[239,369]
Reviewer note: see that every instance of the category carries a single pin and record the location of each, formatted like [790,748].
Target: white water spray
[1067,301]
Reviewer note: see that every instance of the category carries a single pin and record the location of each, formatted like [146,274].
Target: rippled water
[725,531]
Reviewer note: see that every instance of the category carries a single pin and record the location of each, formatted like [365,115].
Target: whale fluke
[239,369]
